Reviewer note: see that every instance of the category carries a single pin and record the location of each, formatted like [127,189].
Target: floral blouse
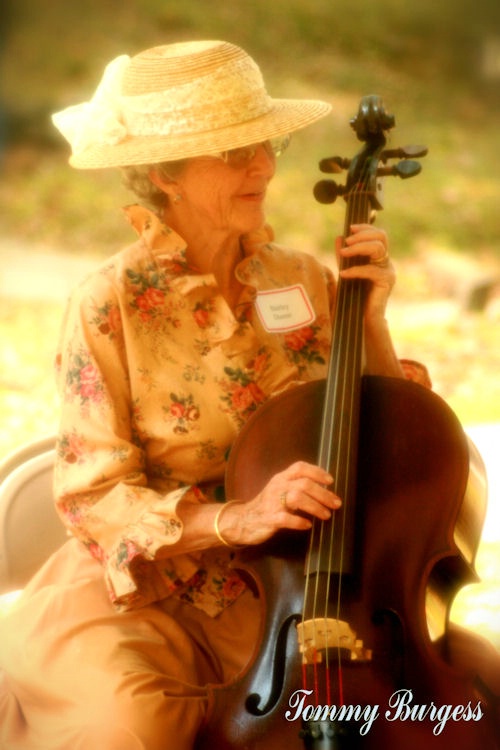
[157,374]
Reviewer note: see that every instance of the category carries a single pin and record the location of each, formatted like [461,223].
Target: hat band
[166,121]
[228,95]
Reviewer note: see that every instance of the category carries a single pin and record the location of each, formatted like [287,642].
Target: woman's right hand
[290,500]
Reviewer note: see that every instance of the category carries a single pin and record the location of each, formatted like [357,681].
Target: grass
[28,403]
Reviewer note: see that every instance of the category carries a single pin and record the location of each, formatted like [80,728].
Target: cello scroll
[370,124]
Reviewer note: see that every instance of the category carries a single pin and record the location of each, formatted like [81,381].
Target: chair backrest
[30,529]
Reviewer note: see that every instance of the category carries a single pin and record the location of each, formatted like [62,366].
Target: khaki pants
[78,676]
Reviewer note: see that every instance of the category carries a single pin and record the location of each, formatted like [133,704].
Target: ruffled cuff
[136,571]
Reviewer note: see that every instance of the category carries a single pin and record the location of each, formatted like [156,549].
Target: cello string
[350,311]
[347,310]
[324,455]
[324,459]
[339,396]
[327,441]
[352,353]
[341,458]
[343,311]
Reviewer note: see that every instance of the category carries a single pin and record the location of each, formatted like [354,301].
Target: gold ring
[283,500]
[383,261]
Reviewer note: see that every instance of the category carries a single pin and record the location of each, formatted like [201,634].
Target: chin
[253,222]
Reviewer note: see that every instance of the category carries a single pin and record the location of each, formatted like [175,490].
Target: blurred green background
[436,63]
[437,66]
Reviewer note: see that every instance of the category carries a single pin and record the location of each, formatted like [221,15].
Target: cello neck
[339,432]
[337,452]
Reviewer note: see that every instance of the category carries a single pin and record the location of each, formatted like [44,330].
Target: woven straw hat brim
[286,116]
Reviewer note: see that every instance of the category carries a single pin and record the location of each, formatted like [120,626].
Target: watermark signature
[400,707]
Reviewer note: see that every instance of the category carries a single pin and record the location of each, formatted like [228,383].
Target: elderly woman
[166,351]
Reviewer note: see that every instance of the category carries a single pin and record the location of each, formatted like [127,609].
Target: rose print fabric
[157,374]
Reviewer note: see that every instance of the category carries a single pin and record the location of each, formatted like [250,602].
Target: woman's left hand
[371,242]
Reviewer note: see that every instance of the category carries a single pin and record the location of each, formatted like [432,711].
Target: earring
[177,198]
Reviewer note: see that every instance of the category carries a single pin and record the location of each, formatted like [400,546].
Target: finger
[366,240]
[305,470]
[296,523]
[381,275]
[310,498]
[309,507]
[358,231]
[374,247]
[366,236]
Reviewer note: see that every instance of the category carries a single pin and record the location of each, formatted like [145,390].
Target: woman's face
[215,195]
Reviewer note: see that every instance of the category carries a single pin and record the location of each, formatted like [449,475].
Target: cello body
[355,650]
[420,506]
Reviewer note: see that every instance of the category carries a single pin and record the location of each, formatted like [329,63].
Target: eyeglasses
[237,158]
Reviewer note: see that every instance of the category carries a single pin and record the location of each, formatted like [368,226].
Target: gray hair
[137,179]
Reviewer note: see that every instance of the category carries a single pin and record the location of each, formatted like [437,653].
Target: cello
[354,636]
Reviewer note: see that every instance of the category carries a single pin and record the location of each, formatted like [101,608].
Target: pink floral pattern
[240,389]
[71,447]
[183,411]
[83,380]
[306,346]
[148,291]
[107,319]
[201,313]
[157,375]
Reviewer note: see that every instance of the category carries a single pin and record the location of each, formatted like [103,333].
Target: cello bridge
[319,634]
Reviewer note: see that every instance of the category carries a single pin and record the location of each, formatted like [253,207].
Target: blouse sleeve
[101,487]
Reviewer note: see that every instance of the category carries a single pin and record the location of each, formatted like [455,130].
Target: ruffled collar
[169,250]
[165,243]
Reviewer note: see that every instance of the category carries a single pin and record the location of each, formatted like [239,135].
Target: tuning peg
[404,153]
[404,169]
[326,191]
[334,164]
[407,168]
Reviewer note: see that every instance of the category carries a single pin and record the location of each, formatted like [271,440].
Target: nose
[263,161]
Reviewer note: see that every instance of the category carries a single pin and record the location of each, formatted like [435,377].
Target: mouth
[256,197]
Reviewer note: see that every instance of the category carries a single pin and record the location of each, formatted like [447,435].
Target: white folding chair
[30,529]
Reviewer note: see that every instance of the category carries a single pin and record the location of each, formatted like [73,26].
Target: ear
[164,183]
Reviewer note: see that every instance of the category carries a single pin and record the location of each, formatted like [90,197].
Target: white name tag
[286,309]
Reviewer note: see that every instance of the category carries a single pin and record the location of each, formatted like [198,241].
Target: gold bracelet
[216,524]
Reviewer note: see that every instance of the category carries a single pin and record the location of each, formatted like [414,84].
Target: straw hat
[178,101]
